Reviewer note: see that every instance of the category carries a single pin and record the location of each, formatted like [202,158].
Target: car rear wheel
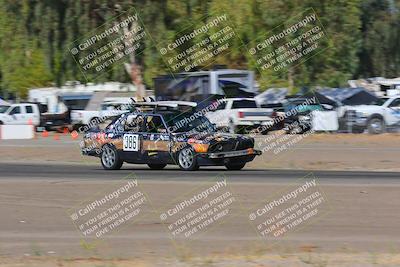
[235,166]
[110,159]
[187,159]
[156,166]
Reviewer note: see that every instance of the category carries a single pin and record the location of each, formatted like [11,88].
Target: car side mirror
[327,107]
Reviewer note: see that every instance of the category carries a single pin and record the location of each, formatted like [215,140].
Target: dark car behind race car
[165,135]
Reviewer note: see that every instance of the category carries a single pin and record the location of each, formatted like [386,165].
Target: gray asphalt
[93,172]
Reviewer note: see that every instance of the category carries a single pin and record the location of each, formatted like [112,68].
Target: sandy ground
[313,152]
[358,225]
[284,259]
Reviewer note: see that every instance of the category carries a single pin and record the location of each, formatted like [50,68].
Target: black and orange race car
[161,133]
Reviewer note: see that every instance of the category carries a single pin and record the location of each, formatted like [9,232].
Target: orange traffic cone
[74,135]
[45,133]
[56,137]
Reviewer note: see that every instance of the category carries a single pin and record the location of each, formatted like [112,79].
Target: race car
[162,133]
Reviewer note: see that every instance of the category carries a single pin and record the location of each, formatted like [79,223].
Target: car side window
[29,109]
[134,123]
[244,104]
[16,110]
[154,124]
[221,106]
[395,103]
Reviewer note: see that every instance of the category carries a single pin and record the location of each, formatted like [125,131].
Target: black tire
[376,126]
[1,123]
[357,130]
[156,166]
[235,166]
[187,160]
[110,159]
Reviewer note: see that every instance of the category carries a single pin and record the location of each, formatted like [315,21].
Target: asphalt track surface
[172,173]
[360,211]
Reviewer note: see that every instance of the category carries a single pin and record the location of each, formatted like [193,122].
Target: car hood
[211,137]
[368,107]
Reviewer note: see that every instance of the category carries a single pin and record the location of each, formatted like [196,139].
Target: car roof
[237,98]
[165,104]
[157,112]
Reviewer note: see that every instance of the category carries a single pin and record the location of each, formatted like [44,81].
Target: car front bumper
[231,154]
[357,121]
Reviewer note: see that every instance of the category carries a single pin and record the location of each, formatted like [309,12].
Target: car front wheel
[376,126]
[187,159]
[110,159]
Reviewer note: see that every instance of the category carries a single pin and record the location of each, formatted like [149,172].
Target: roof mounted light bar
[167,104]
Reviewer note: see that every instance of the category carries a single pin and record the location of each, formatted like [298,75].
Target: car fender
[376,116]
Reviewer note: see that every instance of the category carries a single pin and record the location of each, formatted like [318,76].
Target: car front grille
[244,144]
[225,146]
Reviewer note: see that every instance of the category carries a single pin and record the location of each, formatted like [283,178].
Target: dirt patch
[313,152]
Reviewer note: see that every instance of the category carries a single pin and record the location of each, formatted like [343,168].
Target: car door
[394,112]
[156,140]
[17,115]
[132,138]
[31,116]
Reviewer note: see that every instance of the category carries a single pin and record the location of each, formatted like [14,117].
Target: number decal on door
[131,142]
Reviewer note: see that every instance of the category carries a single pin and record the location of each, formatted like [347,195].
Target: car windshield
[3,109]
[379,101]
[244,104]
[186,122]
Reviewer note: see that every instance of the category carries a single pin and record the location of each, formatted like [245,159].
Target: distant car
[241,115]
[161,133]
[299,120]
[3,108]
[34,114]
[108,109]
[377,117]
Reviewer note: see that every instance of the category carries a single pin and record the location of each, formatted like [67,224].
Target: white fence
[8,132]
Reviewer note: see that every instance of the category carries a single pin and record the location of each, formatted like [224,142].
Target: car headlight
[304,118]
[200,148]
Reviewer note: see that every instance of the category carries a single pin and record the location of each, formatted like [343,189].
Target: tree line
[35,35]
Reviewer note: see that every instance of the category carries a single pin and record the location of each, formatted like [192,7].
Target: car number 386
[131,142]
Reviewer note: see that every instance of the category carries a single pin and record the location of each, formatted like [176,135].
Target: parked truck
[376,118]
[238,115]
[34,114]
[107,110]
